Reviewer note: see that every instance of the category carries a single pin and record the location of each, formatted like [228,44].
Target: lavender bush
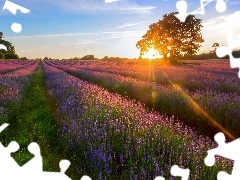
[115,137]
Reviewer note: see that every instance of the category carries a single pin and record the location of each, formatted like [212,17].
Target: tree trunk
[173,59]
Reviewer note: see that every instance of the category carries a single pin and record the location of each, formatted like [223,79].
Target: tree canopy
[10,53]
[172,38]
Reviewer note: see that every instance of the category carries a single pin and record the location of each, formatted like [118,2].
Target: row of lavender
[197,108]
[216,74]
[116,137]
[7,66]
[12,86]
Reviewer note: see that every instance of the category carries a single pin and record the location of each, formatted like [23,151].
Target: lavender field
[123,119]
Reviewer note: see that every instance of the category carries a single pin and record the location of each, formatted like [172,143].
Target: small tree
[2,55]
[173,38]
[23,58]
[10,53]
[11,56]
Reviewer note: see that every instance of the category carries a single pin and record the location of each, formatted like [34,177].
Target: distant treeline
[210,55]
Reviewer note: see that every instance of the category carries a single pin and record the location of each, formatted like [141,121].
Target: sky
[62,29]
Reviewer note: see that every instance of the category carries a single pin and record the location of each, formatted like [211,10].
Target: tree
[2,55]
[215,46]
[11,56]
[105,58]
[46,58]
[172,38]
[10,53]
[88,57]
[212,54]
[23,58]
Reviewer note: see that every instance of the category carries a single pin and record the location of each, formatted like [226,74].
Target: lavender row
[116,137]
[216,74]
[12,89]
[11,65]
[224,108]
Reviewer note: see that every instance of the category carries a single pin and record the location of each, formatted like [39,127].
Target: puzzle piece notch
[223,51]
[85,178]
[64,164]
[2,46]
[227,150]
[177,171]
[221,6]
[223,176]
[16,27]
[8,165]
[5,125]
[182,7]
[223,149]
[159,178]
[12,7]
[35,164]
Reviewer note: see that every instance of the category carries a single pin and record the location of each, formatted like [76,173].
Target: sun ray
[152,54]
[199,110]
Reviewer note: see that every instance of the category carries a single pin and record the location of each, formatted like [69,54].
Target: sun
[152,54]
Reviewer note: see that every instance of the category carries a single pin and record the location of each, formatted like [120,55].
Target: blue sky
[67,29]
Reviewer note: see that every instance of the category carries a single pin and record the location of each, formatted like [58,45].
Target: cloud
[222,23]
[49,35]
[112,34]
[111,1]
[137,8]
[101,5]
[206,2]
[201,8]
[129,25]
[215,29]
[234,2]
[69,45]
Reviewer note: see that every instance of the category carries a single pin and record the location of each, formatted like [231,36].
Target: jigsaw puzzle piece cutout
[5,125]
[12,7]
[35,165]
[7,164]
[177,171]
[54,175]
[221,6]
[2,46]
[226,150]
[159,178]
[59,176]
[85,178]
[182,9]
[223,51]
[64,164]
[223,176]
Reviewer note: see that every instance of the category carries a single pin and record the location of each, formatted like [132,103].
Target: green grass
[34,121]
[2,88]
